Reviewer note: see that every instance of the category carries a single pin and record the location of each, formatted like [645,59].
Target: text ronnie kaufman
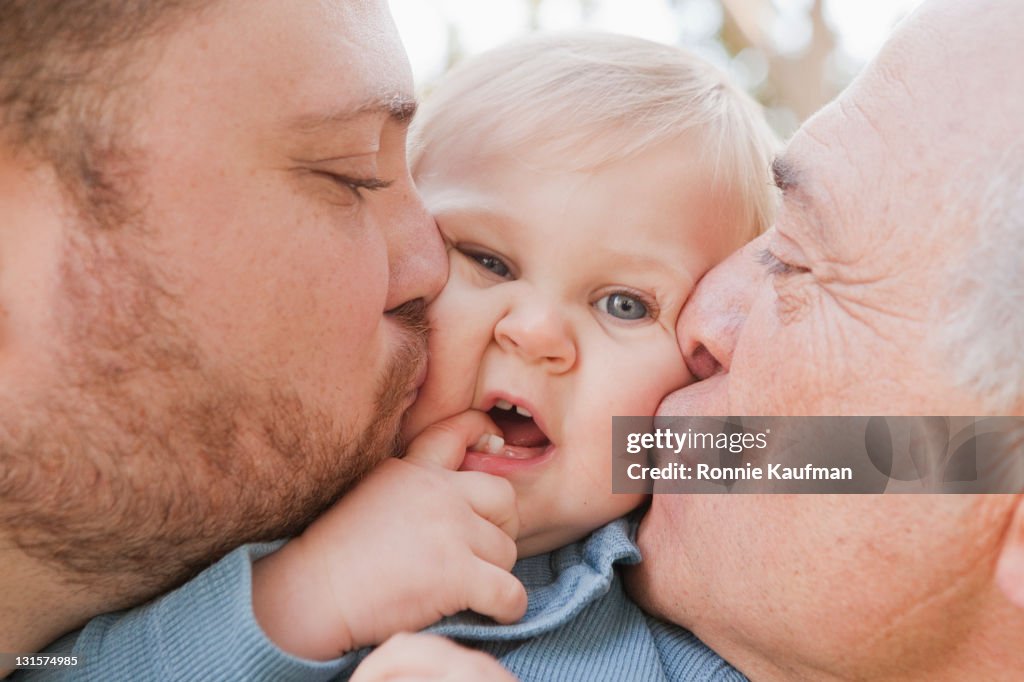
[706,472]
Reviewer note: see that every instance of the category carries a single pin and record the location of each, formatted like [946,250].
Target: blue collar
[559,585]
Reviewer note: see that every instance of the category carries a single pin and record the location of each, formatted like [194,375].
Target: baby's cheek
[440,396]
[672,376]
[455,345]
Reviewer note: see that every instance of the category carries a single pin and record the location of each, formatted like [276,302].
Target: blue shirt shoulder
[579,625]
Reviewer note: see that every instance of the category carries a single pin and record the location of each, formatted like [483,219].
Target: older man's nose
[716,312]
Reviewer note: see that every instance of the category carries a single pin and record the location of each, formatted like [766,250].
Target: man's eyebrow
[400,108]
[785,174]
[795,185]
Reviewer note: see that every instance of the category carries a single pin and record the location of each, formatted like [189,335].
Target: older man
[891,284]
[212,273]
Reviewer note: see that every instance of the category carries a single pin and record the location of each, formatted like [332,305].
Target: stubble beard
[137,464]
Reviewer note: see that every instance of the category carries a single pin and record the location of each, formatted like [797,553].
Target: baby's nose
[538,332]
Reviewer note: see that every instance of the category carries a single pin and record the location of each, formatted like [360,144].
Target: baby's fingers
[492,545]
[445,443]
[421,657]
[490,497]
[495,592]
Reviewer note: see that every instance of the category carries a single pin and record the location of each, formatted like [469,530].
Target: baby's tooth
[490,443]
[523,411]
[503,404]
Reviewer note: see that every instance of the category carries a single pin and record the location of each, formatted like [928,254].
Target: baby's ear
[1010,569]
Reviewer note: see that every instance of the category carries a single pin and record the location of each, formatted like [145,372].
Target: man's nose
[418,267]
[714,316]
[537,332]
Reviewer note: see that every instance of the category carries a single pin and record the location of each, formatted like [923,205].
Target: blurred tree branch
[798,82]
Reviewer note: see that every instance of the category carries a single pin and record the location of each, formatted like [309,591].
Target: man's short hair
[63,68]
[586,99]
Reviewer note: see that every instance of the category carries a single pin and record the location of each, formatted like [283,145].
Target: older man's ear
[1010,569]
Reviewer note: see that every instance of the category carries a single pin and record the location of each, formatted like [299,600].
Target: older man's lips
[709,397]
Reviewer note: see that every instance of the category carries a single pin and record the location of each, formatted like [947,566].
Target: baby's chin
[548,529]
[553,536]
[548,540]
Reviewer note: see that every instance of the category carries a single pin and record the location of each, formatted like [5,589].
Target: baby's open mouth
[523,438]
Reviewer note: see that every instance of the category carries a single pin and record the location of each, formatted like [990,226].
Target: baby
[583,184]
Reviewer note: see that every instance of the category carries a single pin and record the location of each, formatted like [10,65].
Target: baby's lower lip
[522,452]
[514,458]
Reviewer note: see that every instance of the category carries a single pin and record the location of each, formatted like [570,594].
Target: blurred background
[792,55]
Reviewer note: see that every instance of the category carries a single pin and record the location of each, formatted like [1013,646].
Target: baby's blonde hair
[587,99]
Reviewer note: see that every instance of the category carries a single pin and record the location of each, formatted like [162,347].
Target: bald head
[951,69]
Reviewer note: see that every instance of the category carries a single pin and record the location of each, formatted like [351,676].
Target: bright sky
[862,25]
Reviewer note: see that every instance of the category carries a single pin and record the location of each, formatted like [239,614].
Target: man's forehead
[856,194]
[269,65]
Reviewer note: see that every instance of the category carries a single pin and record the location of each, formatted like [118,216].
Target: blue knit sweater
[579,625]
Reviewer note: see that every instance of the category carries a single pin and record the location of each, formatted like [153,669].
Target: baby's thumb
[445,443]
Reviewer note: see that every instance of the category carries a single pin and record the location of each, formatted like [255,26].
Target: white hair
[985,333]
[581,100]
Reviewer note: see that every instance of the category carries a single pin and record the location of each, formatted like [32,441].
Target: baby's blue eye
[623,306]
[491,263]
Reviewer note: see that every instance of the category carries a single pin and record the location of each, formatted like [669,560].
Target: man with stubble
[213,268]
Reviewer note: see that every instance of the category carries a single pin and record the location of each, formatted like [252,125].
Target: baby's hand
[429,658]
[415,541]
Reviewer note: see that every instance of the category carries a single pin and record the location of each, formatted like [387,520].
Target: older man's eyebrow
[785,174]
[791,179]
[797,188]
[398,107]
